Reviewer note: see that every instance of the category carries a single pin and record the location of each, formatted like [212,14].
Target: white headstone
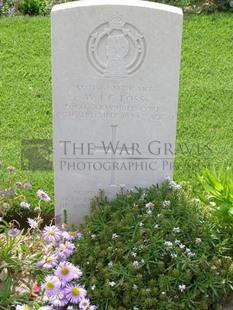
[115,89]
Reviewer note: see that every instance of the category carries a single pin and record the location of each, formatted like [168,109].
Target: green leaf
[213,180]
[203,199]
[24,248]
[230,211]
[4,274]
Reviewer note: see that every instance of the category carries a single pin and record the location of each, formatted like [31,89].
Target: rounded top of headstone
[136,3]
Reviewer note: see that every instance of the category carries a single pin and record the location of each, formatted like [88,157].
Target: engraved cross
[115,148]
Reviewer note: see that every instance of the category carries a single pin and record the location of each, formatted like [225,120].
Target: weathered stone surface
[115,90]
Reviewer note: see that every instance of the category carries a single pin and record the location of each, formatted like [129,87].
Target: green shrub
[32,7]
[218,187]
[154,249]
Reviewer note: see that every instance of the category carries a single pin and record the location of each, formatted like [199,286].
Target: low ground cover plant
[154,249]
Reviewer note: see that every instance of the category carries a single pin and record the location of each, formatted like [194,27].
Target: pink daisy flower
[59,300]
[23,307]
[77,272]
[32,223]
[43,195]
[84,303]
[13,232]
[52,234]
[65,271]
[25,205]
[75,293]
[71,235]
[27,186]
[51,285]
[50,261]
[65,250]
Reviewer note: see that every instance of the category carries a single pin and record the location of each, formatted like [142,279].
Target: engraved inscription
[114,102]
[116,49]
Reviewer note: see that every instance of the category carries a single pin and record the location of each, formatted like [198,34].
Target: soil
[228,304]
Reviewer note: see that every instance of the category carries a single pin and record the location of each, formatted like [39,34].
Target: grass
[204,128]
[25,91]
[206,93]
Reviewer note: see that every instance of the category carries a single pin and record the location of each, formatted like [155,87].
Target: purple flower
[12,10]
[13,232]
[78,235]
[75,293]
[50,261]
[65,250]
[43,196]
[27,186]
[84,303]
[25,205]
[65,271]
[71,235]
[77,272]
[48,248]
[39,263]
[59,300]
[32,223]
[52,233]
[51,285]
[23,307]
[65,227]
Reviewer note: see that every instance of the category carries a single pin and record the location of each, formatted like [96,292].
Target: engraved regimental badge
[116,49]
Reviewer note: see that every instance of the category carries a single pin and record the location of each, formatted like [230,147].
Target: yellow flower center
[75,291]
[64,271]
[52,232]
[26,308]
[72,233]
[49,285]
[48,259]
